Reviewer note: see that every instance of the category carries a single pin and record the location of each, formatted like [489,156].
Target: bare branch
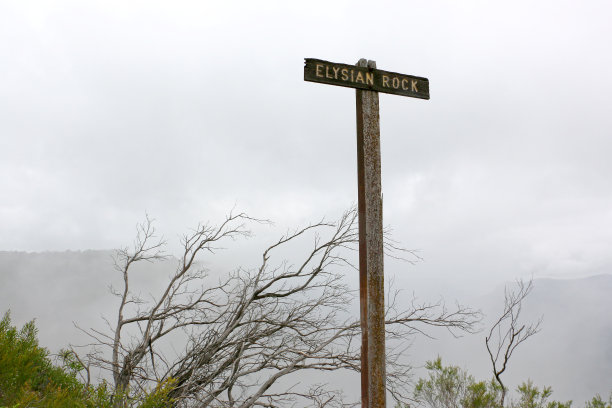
[508,331]
[228,340]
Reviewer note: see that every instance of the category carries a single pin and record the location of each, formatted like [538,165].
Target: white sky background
[183,109]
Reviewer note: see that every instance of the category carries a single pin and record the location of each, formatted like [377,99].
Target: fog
[63,291]
[184,110]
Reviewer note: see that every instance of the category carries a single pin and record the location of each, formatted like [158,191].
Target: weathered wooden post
[369,81]
[371,243]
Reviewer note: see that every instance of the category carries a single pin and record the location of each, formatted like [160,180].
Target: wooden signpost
[369,81]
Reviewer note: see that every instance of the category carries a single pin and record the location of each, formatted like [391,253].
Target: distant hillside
[59,288]
[572,353]
[574,349]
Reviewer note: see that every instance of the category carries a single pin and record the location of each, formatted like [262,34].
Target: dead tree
[241,333]
[509,332]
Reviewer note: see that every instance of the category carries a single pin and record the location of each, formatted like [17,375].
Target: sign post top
[367,78]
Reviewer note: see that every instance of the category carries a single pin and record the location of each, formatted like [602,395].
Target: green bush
[597,402]
[28,378]
[452,387]
[531,396]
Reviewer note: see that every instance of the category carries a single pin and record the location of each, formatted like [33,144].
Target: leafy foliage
[531,396]
[598,402]
[28,378]
[452,387]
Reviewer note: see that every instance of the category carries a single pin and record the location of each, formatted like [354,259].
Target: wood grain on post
[363,259]
[370,247]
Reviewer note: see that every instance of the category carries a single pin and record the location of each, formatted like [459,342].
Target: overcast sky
[183,109]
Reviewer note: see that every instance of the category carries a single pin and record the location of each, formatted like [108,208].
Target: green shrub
[28,378]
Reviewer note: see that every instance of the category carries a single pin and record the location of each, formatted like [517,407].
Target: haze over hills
[59,288]
[572,353]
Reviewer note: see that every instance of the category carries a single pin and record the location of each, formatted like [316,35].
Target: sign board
[366,78]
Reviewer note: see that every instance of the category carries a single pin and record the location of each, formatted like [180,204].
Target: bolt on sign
[368,82]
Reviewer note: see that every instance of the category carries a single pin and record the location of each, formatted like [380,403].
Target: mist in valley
[184,111]
[61,290]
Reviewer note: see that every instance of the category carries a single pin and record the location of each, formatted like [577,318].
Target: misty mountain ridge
[572,353]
